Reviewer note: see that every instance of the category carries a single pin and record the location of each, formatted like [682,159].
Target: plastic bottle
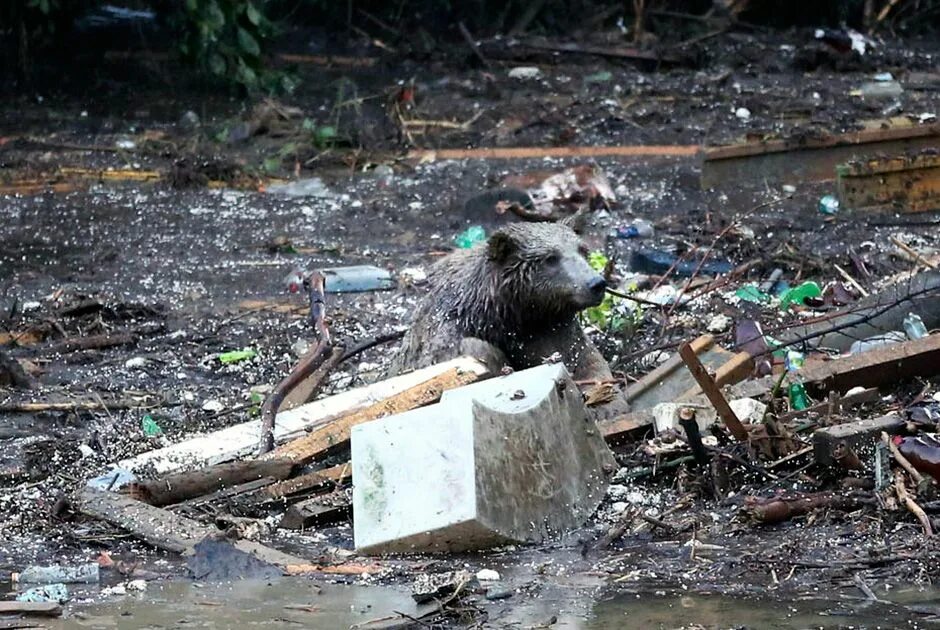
[923,452]
[828,205]
[799,399]
[81,573]
[641,228]
[914,326]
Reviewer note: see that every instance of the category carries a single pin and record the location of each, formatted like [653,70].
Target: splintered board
[907,183]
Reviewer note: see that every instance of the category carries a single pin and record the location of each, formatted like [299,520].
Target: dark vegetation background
[229,41]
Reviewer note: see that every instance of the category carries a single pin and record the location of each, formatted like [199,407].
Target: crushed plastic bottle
[470,237]
[880,89]
[150,426]
[750,293]
[640,228]
[828,204]
[914,326]
[57,592]
[877,341]
[87,573]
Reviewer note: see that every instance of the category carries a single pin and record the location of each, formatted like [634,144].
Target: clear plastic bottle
[914,326]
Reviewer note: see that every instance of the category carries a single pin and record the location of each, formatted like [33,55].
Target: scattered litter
[828,204]
[85,573]
[357,278]
[213,406]
[237,356]
[311,187]
[487,575]
[150,426]
[49,593]
[525,72]
[470,237]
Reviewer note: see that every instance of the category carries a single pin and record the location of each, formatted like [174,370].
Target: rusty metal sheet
[802,159]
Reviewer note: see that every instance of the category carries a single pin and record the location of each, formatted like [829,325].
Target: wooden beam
[896,184]
[712,392]
[800,159]
[42,609]
[335,434]
[314,513]
[159,527]
[525,153]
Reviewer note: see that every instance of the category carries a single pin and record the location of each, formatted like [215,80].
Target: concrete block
[511,459]
[853,434]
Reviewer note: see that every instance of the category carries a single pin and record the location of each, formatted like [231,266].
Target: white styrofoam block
[513,458]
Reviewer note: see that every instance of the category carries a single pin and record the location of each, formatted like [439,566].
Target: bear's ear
[501,247]
[576,221]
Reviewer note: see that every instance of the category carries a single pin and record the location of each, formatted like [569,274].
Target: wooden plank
[333,435]
[801,158]
[736,369]
[314,513]
[713,392]
[44,609]
[159,527]
[876,368]
[897,184]
[179,487]
[525,153]
[241,440]
[321,479]
[661,372]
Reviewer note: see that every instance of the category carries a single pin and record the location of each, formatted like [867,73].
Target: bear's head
[543,267]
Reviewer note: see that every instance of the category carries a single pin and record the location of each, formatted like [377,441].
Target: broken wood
[240,440]
[41,609]
[901,460]
[906,183]
[332,435]
[314,513]
[318,480]
[736,369]
[712,392]
[664,369]
[800,159]
[878,367]
[524,153]
[156,526]
[91,342]
[180,487]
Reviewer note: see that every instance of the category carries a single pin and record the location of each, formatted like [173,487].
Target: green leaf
[214,15]
[191,6]
[253,15]
[271,164]
[598,261]
[248,43]
[217,64]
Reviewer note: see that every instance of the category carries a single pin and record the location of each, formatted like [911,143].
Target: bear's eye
[583,250]
[553,259]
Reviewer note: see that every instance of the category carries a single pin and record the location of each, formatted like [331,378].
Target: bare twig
[473,44]
[910,503]
[900,459]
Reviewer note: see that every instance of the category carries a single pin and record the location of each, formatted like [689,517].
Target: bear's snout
[597,286]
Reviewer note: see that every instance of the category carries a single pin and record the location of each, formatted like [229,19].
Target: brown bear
[512,301]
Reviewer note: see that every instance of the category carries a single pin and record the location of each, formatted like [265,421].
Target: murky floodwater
[305,603]
[700,611]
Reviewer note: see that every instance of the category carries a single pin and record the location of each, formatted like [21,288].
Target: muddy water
[241,604]
[303,603]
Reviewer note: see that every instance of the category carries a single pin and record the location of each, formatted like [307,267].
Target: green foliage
[226,39]
[613,314]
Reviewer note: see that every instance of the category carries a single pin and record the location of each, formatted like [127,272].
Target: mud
[197,272]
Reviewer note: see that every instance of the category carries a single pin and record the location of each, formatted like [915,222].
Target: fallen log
[179,487]
[526,153]
[333,435]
